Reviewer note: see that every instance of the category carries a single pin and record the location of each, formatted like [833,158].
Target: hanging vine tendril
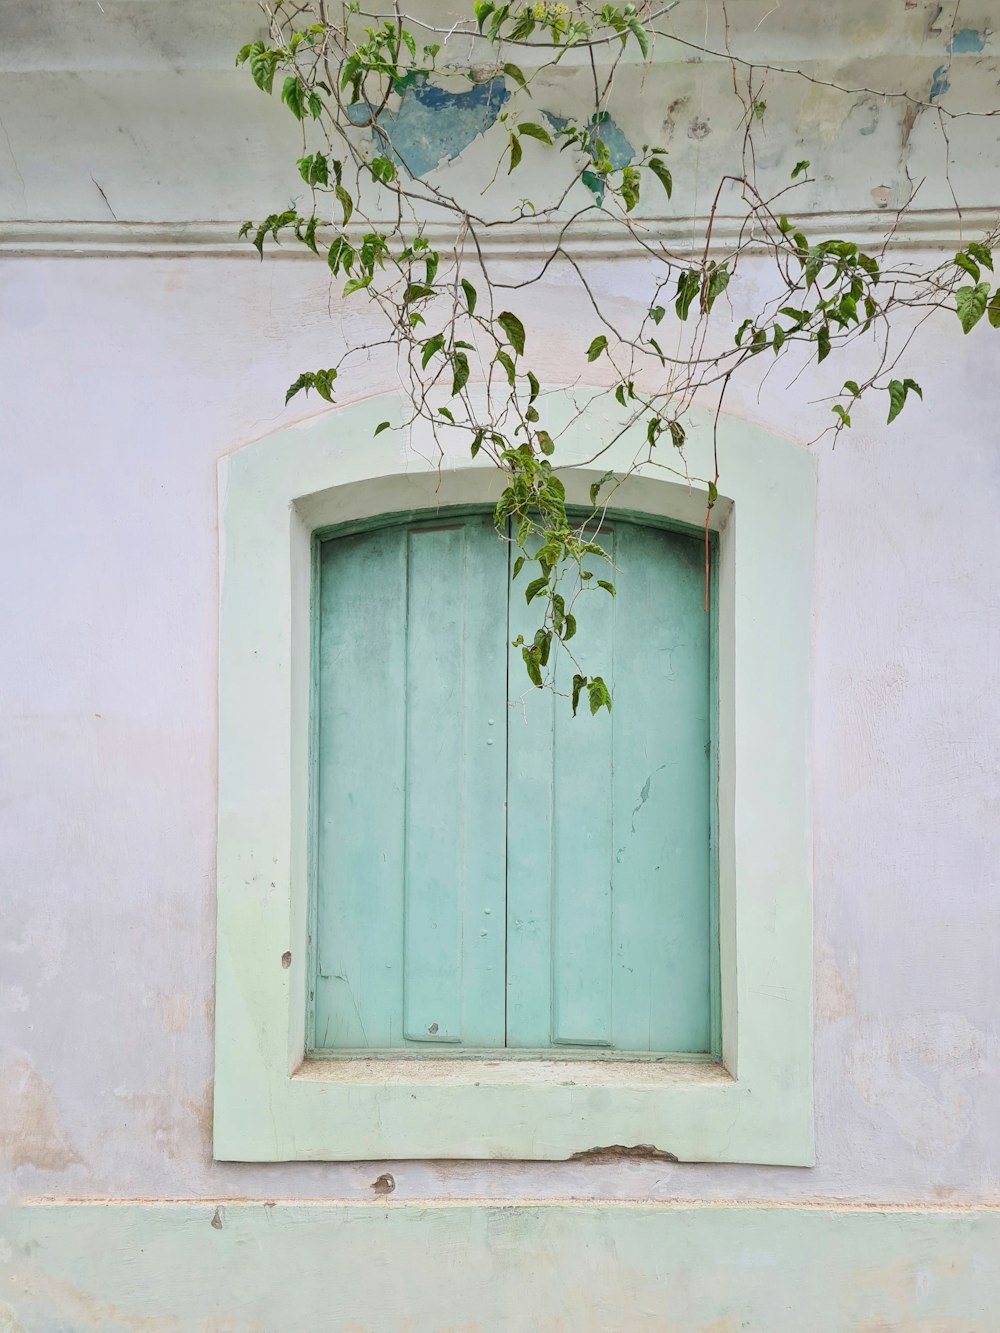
[345,74]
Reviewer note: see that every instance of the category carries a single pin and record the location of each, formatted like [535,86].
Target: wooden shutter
[580,915]
[609,940]
[411,695]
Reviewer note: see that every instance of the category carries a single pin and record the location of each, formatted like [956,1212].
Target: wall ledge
[928,229]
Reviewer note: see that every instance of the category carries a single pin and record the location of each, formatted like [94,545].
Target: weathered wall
[124,380]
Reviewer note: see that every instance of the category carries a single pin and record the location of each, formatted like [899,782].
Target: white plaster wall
[123,382]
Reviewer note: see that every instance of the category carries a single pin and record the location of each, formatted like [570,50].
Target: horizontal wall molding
[490,1266]
[929,229]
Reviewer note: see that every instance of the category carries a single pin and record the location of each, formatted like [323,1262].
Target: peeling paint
[431,125]
[967,41]
[939,83]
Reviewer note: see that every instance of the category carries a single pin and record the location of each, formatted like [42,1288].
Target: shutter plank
[410,863]
[662,947]
[455,771]
[361,738]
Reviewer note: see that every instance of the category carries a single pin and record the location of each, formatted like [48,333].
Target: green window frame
[752,1104]
[458,906]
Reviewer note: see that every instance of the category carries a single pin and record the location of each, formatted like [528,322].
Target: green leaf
[968,265]
[535,587]
[718,281]
[608,587]
[897,397]
[483,9]
[518,566]
[656,313]
[637,30]
[688,286]
[409,42]
[981,252]
[446,413]
[340,255]
[579,684]
[758,109]
[460,362]
[898,390]
[713,493]
[470,295]
[630,188]
[477,442]
[842,413]
[595,489]
[431,346]
[677,434]
[382,425]
[514,73]
[315,103]
[346,203]
[545,442]
[662,174]
[801,168]
[534,131]
[599,695]
[383,170]
[514,330]
[508,366]
[993,309]
[293,96]
[320,380]
[852,387]
[533,386]
[515,152]
[356,284]
[417,291]
[314,169]
[970,305]
[569,627]
[823,342]
[531,663]
[596,347]
[262,64]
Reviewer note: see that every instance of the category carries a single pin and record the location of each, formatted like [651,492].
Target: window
[751,1099]
[490,871]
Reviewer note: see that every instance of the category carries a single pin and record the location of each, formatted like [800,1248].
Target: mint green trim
[513,1267]
[270,1105]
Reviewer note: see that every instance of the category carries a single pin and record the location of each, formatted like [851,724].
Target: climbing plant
[355,79]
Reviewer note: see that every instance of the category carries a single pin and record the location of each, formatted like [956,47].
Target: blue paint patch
[967,41]
[602,126]
[430,125]
[939,82]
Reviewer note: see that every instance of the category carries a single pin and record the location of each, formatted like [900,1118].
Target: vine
[344,73]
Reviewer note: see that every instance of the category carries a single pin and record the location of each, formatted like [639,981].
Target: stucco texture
[125,381]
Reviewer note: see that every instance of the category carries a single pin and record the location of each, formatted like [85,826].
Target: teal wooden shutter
[609,906]
[412,695]
[580,916]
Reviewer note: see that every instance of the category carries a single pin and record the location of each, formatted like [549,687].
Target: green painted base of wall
[342,1268]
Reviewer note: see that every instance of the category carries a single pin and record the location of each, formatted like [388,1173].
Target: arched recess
[755,1104]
